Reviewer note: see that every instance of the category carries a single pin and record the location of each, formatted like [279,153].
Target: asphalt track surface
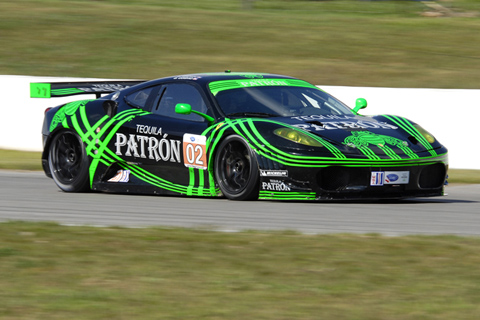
[30,196]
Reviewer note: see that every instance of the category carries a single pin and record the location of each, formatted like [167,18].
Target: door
[163,143]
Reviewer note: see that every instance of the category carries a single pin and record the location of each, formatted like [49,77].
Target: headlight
[427,135]
[297,137]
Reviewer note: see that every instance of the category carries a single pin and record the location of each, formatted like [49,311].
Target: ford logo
[192,139]
[392,177]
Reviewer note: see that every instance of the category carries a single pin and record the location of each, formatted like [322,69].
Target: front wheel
[236,169]
[68,162]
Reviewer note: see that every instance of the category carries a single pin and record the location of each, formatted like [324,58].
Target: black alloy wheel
[236,169]
[68,162]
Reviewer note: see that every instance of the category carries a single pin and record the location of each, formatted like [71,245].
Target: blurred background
[422,44]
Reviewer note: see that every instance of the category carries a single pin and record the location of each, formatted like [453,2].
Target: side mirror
[110,107]
[184,108]
[360,103]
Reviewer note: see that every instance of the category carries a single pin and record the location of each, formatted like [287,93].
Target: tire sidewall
[81,182]
[250,191]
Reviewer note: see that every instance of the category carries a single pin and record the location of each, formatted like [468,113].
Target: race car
[244,136]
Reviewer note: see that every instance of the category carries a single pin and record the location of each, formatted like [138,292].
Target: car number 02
[194,151]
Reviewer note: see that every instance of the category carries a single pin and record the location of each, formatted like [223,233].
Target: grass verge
[20,160]
[463,176]
[49,271]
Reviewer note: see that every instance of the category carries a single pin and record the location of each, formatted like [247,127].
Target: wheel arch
[244,194]
[48,143]
[219,142]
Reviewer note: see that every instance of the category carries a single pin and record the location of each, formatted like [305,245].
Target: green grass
[353,43]
[22,160]
[55,272]
[463,176]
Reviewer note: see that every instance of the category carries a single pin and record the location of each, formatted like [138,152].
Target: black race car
[241,135]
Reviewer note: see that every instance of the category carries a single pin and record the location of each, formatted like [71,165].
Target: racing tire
[236,169]
[68,162]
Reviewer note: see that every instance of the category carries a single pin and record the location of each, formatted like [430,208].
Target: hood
[353,134]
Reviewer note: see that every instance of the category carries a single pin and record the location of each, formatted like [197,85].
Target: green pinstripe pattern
[408,127]
[369,153]
[97,137]
[270,195]
[218,86]
[96,148]
[247,129]
[65,92]
[389,152]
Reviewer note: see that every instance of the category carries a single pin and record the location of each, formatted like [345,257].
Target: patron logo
[333,125]
[148,147]
[275,185]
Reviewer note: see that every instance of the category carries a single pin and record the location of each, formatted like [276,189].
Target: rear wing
[63,89]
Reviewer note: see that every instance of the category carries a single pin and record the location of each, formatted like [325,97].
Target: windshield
[280,101]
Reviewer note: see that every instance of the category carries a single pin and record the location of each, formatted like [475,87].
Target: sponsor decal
[275,185]
[262,82]
[121,176]
[104,87]
[149,130]
[377,178]
[322,117]
[334,125]
[252,76]
[360,139]
[397,177]
[392,177]
[155,148]
[187,78]
[380,178]
[274,173]
[195,151]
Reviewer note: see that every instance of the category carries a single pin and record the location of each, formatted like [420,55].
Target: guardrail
[452,115]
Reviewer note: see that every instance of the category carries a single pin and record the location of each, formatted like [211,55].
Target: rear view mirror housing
[360,103]
[185,108]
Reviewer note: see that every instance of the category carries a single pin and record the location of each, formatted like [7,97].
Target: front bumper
[338,182]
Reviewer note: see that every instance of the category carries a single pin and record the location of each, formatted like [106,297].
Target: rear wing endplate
[64,89]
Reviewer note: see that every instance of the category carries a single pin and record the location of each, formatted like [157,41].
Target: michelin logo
[274,173]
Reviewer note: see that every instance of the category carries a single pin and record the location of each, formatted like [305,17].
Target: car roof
[203,79]
[227,75]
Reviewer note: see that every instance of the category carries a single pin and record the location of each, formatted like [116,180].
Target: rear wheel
[236,169]
[68,162]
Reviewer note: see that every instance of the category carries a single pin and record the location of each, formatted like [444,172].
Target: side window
[143,98]
[180,93]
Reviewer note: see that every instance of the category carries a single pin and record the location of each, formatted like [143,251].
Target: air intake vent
[432,176]
[413,140]
[343,178]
